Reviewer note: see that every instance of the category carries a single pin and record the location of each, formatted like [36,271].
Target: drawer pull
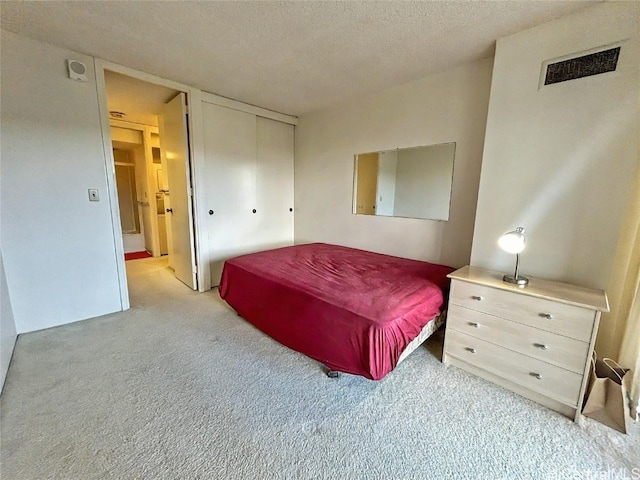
[541,346]
[536,375]
[470,350]
[548,316]
[474,324]
[476,297]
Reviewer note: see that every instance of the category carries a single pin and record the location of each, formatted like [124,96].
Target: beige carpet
[181,387]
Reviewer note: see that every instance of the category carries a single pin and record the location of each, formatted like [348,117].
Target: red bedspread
[354,311]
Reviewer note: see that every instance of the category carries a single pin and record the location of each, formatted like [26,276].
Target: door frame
[146,131]
[196,151]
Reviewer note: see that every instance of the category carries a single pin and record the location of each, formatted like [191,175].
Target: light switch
[94,195]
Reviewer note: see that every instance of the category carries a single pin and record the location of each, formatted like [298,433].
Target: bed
[355,311]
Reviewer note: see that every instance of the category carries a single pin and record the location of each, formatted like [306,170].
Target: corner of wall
[559,159]
[623,280]
[60,263]
[7,326]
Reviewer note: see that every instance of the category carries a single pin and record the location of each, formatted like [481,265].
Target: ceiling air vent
[585,66]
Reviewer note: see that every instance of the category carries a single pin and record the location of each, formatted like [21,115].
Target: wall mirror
[405,182]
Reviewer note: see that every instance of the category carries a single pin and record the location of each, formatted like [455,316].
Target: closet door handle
[254,210]
[169,210]
[210,212]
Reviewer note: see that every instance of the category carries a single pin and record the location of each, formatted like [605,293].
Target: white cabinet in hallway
[248,183]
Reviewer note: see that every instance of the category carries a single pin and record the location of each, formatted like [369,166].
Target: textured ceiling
[289,56]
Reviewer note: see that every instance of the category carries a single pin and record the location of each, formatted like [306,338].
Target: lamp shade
[512,242]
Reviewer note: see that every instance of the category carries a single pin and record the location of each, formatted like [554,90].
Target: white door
[230,179]
[274,183]
[174,144]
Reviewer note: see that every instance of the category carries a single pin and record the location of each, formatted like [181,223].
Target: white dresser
[535,340]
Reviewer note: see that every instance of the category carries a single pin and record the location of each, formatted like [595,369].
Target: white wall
[559,159]
[7,326]
[58,247]
[447,107]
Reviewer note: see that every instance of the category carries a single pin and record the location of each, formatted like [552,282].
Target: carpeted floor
[179,387]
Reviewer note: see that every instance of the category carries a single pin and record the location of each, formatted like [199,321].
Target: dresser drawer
[568,320]
[552,381]
[564,352]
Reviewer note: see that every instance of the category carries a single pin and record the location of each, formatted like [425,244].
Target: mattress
[354,311]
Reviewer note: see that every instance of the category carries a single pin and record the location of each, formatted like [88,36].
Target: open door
[174,142]
[367,178]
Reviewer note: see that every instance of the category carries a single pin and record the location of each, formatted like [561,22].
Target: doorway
[150,148]
[140,185]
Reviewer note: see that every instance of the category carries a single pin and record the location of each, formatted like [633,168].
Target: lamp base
[520,281]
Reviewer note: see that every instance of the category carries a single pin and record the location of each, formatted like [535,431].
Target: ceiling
[139,101]
[289,56]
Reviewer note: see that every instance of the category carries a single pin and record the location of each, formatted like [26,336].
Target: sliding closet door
[274,183]
[248,184]
[230,183]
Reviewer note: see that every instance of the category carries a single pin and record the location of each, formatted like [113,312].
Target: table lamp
[513,242]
